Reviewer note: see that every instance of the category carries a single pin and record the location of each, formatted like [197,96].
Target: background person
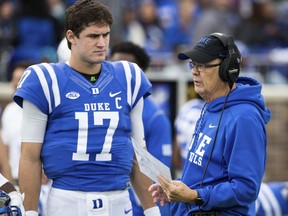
[11,126]
[11,134]
[231,131]
[4,163]
[157,126]
[272,199]
[184,126]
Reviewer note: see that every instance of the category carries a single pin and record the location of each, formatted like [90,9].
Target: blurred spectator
[116,9]
[4,164]
[38,33]
[153,32]
[184,126]
[262,30]
[57,10]
[217,16]
[248,67]
[178,21]
[132,28]
[174,65]
[7,34]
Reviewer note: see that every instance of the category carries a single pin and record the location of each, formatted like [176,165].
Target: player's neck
[85,67]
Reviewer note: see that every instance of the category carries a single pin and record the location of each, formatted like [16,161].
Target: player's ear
[70,36]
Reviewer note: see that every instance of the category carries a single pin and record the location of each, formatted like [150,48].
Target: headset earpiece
[230,67]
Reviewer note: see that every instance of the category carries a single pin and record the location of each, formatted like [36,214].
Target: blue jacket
[234,171]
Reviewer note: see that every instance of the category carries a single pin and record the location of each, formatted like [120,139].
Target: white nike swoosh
[114,94]
[212,126]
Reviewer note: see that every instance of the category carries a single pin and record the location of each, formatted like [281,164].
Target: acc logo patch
[72,95]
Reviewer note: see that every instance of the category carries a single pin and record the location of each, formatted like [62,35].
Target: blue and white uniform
[185,123]
[87,144]
[273,199]
[233,178]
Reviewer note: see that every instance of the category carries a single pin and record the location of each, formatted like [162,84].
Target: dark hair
[143,60]
[84,13]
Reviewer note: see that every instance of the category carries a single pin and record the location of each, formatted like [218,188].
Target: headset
[230,67]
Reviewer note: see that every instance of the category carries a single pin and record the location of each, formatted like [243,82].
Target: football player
[78,119]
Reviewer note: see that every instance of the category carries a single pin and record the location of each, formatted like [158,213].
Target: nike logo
[212,126]
[114,94]
[127,211]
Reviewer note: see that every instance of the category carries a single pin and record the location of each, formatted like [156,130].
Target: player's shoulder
[46,67]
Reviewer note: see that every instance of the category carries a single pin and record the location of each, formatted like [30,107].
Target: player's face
[92,44]
[207,83]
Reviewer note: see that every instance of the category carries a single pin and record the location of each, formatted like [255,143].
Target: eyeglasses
[201,67]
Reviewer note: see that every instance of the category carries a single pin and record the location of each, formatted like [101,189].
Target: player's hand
[158,194]
[17,200]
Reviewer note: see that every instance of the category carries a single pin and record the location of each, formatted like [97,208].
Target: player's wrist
[31,213]
[17,200]
[153,211]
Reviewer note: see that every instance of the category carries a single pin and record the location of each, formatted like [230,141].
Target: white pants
[75,203]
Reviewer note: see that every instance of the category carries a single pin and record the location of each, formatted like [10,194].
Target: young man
[78,119]
[157,126]
[227,155]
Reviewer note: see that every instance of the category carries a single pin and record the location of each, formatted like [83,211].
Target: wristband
[153,211]
[17,200]
[31,213]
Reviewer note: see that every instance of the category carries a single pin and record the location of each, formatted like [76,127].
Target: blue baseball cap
[206,50]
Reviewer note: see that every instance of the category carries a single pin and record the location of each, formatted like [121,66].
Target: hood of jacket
[248,90]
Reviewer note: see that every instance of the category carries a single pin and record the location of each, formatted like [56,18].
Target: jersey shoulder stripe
[39,85]
[55,87]
[137,84]
[128,77]
[49,84]
[44,84]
